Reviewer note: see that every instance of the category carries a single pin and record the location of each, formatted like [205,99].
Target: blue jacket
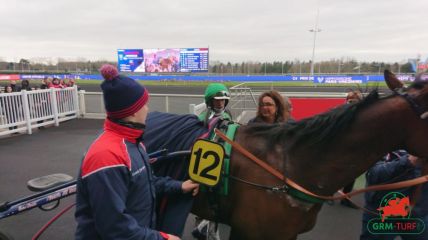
[394,168]
[116,189]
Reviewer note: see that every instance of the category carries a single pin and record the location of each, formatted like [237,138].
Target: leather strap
[291,183]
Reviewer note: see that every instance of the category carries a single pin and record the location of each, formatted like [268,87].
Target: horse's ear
[392,81]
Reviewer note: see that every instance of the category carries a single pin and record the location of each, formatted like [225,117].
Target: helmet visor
[222,95]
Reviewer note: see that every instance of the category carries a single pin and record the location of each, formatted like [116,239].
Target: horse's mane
[317,130]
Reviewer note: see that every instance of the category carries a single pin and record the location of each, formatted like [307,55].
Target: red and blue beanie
[123,96]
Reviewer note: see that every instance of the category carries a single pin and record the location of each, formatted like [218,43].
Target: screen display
[194,60]
[130,60]
[169,60]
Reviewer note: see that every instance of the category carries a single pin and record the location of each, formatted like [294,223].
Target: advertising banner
[9,77]
[340,79]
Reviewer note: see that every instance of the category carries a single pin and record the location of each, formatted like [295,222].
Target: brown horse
[165,64]
[322,154]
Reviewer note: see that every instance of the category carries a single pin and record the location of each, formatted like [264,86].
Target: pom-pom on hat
[123,96]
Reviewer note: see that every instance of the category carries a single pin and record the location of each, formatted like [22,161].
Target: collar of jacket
[130,134]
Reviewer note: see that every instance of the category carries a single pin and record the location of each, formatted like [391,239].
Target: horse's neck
[375,131]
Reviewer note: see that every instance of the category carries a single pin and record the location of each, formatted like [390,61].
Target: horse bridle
[416,107]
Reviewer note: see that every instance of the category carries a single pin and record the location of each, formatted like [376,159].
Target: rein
[312,197]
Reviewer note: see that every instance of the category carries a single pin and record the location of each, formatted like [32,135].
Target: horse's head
[416,96]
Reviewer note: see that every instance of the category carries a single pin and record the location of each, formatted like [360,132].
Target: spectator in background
[45,83]
[272,108]
[25,85]
[13,85]
[71,83]
[56,83]
[8,89]
[353,96]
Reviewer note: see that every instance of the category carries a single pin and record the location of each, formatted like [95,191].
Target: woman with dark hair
[25,85]
[272,108]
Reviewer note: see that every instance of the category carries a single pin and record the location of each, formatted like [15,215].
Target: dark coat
[116,189]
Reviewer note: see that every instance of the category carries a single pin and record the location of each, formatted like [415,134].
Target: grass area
[255,84]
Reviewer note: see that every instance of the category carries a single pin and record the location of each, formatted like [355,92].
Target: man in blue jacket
[116,189]
[394,167]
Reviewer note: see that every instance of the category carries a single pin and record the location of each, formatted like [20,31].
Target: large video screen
[167,60]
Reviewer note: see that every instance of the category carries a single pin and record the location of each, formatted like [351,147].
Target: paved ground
[51,150]
[59,149]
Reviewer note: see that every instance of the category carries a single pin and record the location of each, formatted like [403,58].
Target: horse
[322,154]
[165,64]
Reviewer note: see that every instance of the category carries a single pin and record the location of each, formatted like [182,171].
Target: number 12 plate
[206,162]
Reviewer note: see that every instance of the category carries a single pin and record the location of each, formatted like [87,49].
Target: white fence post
[76,101]
[26,108]
[82,104]
[167,104]
[54,102]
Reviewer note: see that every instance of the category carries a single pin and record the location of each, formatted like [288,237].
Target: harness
[229,129]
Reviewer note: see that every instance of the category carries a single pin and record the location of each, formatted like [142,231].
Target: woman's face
[8,89]
[268,107]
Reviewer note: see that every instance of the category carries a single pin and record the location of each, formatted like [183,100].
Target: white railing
[26,110]
[92,103]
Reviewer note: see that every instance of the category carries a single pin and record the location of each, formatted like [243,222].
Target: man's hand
[190,186]
[416,161]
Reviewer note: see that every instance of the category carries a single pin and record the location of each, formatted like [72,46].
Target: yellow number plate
[206,162]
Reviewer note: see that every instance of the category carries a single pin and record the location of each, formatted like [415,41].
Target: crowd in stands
[46,83]
[6,111]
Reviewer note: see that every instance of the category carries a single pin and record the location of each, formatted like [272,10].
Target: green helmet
[216,91]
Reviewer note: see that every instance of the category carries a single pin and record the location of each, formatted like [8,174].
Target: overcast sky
[234,30]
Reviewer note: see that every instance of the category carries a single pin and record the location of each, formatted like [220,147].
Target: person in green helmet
[217,97]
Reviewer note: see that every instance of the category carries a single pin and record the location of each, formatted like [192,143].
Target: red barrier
[9,77]
[308,107]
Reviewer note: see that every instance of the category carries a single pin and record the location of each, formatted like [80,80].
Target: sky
[234,30]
